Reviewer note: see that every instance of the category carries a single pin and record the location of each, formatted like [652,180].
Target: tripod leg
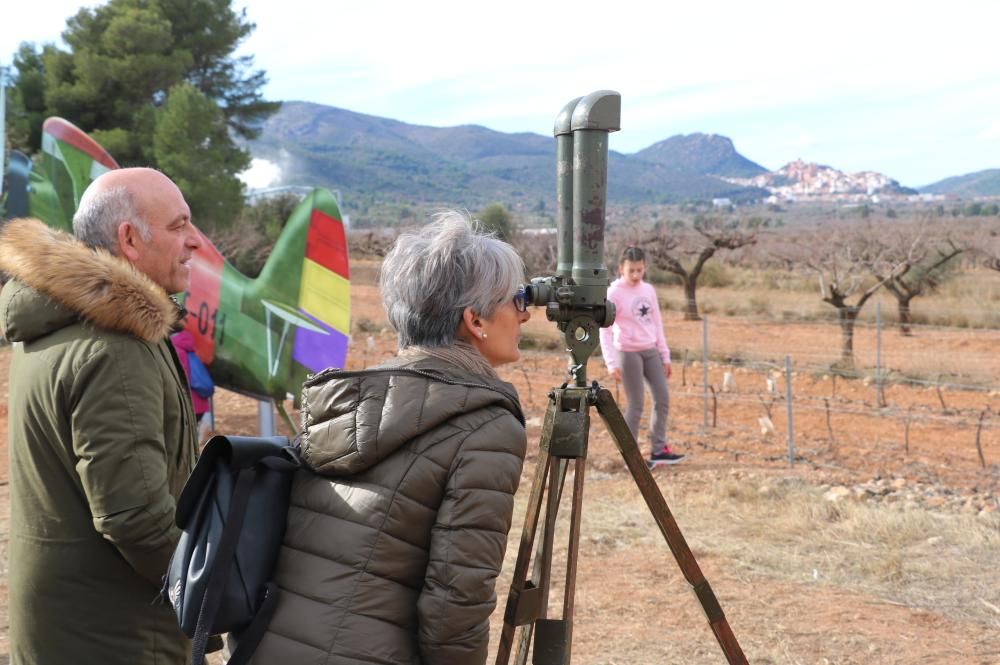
[542,566]
[517,584]
[557,480]
[569,442]
[520,610]
[629,450]
[574,549]
[553,639]
[523,642]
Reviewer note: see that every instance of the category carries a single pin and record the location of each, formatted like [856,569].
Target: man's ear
[128,237]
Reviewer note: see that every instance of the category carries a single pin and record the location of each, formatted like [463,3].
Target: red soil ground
[633,606]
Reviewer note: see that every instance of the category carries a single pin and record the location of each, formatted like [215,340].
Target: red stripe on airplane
[202,301]
[68,133]
[326,243]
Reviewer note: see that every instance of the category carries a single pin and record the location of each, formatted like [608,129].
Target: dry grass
[754,535]
[787,530]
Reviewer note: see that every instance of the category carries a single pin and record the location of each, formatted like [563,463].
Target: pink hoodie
[637,325]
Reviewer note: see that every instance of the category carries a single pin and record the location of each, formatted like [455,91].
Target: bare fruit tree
[374,243]
[538,251]
[988,245]
[671,250]
[923,260]
[851,264]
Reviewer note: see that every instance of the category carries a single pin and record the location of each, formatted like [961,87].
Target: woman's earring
[484,335]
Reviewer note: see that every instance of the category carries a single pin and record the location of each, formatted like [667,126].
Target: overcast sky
[909,89]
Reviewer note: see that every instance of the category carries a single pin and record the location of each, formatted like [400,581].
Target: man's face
[166,256]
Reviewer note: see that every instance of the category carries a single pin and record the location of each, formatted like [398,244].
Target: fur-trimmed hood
[58,279]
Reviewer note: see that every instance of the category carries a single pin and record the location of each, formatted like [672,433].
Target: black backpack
[232,513]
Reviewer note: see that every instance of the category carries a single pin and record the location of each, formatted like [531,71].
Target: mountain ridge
[375,158]
[977,183]
[709,154]
[367,155]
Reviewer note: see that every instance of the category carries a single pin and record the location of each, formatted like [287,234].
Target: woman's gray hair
[100,214]
[431,275]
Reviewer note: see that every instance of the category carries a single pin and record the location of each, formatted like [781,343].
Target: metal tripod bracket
[571,423]
[524,606]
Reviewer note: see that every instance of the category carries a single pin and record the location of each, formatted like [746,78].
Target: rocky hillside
[701,154]
[980,183]
[382,160]
[367,156]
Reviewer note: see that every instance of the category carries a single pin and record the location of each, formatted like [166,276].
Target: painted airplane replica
[260,337]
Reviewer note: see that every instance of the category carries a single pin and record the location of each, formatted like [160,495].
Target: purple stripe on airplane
[316,351]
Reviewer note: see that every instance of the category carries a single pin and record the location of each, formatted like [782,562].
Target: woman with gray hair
[398,526]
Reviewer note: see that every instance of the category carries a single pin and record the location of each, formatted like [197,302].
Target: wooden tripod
[565,432]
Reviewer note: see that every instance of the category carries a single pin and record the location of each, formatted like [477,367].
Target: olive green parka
[397,531]
[101,439]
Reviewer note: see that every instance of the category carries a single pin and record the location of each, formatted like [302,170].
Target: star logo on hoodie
[642,311]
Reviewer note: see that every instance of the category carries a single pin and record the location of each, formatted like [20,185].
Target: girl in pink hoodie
[636,352]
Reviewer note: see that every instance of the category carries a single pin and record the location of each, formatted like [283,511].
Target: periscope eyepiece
[575,298]
[541,291]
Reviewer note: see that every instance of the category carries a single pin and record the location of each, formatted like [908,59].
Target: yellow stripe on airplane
[326,295]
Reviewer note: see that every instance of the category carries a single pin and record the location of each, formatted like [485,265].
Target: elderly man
[101,429]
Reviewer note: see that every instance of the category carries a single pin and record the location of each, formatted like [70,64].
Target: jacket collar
[90,284]
[353,420]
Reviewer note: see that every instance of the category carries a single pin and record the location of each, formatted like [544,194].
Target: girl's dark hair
[634,254]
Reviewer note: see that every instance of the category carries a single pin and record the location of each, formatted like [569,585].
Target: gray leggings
[637,365]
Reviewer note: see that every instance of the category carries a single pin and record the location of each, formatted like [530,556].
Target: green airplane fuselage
[260,336]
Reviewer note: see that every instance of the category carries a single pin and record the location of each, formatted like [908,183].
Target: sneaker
[666,456]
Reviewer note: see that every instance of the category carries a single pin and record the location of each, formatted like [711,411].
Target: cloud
[262,173]
[991,133]
[780,81]
[22,22]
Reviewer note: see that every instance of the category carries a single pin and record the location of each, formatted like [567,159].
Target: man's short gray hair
[431,275]
[100,214]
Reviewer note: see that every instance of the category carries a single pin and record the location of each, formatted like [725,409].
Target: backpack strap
[246,455]
[251,636]
[220,567]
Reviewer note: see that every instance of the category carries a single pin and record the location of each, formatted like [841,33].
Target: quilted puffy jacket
[397,530]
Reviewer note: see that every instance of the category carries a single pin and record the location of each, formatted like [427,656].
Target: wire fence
[781,392]
[947,357]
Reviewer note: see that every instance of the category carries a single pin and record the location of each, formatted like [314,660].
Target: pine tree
[496,219]
[191,144]
[26,100]
[125,60]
